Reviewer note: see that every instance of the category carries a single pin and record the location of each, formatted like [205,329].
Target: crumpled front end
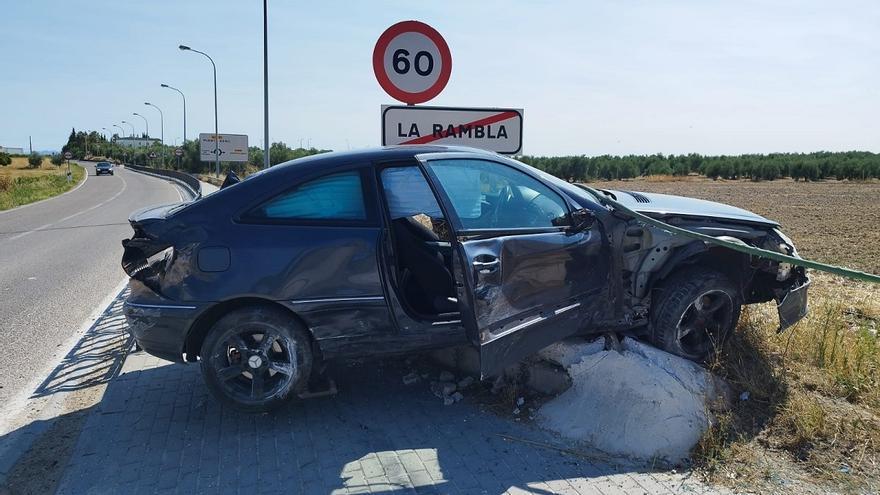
[791,300]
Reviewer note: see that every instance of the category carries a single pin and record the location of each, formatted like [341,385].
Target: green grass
[21,190]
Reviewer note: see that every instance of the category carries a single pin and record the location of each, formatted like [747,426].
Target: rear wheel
[253,359]
[694,311]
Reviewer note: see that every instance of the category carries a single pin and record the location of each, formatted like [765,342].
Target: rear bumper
[159,326]
[793,305]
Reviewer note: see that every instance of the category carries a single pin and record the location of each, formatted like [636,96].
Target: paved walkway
[156,430]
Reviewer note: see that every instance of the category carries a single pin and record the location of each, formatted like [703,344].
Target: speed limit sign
[178,152]
[412,62]
[68,155]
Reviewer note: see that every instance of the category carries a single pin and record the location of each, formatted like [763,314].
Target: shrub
[5,159]
[35,160]
[5,183]
[57,159]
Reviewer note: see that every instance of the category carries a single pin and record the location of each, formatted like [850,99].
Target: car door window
[490,195]
[331,197]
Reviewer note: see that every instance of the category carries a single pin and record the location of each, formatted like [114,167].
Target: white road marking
[124,187]
[16,404]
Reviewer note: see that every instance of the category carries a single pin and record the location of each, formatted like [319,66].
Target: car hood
[667,204]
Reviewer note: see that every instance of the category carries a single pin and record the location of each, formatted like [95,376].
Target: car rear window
[331,197]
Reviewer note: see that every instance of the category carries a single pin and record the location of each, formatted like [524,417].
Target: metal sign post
[68,155]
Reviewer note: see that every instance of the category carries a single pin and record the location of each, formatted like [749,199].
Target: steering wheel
[505,198]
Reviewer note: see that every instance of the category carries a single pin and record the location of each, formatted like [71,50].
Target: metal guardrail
[190,182]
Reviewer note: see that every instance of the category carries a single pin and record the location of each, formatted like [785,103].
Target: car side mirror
[581,219]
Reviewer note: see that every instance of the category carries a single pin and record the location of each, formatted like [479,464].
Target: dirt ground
[830,221]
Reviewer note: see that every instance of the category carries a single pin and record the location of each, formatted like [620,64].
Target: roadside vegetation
[95,146]
[807,403]
[853,165]
[32,178]
[809,399]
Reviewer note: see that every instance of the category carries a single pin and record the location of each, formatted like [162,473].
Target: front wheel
[693,313]
[253,359]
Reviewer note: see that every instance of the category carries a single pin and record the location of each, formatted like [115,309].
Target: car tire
[243,371]
[694,312]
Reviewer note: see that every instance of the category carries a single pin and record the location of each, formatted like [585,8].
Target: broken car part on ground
[409,248]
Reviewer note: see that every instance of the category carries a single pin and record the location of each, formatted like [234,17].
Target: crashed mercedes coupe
[403,249]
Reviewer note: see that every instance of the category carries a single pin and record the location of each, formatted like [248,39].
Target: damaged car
[402,249]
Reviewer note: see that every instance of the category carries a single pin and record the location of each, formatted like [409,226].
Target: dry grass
[21,185]
[812,419]
[19,168]
[814,396]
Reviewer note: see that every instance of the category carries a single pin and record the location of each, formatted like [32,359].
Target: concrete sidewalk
[156,430]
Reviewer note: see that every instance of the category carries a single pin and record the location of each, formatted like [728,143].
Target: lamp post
[162,129]
[132,127]
[216,131]
[265,84]
[184,107]
[146,124]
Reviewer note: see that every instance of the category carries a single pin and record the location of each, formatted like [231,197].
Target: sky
[593,77]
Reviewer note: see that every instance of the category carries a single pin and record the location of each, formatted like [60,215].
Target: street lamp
[162,128]
[146,124]
[132,127]
[184,107]
[265,84]
[216,131]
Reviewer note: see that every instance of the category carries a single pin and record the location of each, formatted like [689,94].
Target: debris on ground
[465,382]
[640,402]
[411,378]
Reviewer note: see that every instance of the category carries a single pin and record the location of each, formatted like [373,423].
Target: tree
[35,160]
[57,159]
[5,159]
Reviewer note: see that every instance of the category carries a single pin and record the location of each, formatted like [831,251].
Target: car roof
[383,153]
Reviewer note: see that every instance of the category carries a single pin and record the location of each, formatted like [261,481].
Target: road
[58,260]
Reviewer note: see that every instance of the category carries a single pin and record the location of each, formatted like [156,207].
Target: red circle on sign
[379,64]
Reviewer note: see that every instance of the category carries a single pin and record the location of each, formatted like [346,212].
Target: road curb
[38,416]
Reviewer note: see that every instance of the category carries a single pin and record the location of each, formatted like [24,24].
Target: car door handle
[487,265]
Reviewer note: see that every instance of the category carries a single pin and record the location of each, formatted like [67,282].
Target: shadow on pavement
[96,358]
[156,430]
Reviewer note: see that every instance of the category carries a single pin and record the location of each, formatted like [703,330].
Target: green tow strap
[742,248]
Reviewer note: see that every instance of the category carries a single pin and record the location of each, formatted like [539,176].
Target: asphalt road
[58,260]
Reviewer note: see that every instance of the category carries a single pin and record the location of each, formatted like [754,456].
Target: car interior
[421,244]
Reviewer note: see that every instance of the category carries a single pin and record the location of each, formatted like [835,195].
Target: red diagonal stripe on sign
[444,134]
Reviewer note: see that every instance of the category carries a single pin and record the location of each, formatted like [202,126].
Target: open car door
[523,267]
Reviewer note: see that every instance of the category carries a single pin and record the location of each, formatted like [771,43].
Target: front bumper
[792,306]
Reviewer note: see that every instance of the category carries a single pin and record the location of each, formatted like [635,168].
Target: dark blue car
[103,168]
[403,249]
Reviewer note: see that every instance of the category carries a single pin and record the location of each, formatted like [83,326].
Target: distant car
[408,248]
[103,168]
